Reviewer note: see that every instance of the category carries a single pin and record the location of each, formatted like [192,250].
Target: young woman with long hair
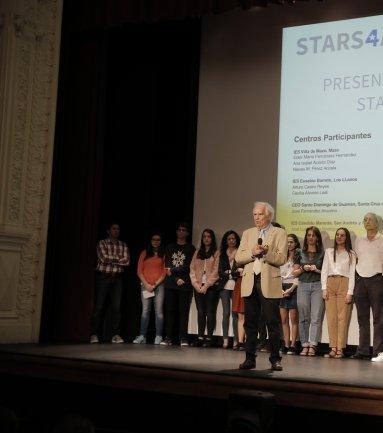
[151,272]
[307,268]
[204,276]
[338,280]
[228,275]
[288,306]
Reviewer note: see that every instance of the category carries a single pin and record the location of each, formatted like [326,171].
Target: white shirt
[344,266]
[370,256]
[287,273]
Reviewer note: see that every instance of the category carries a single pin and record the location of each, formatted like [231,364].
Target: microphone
[260,241]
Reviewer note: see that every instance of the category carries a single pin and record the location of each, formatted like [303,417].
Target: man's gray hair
[269,208]
[378,219]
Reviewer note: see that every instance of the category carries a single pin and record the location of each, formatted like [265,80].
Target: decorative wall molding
[11,245]
[29,42]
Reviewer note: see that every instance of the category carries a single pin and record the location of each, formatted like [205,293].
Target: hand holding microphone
[259,250]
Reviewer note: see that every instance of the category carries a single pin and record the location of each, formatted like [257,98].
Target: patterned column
[29,52]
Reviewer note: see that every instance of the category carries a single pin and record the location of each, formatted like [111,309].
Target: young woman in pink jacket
[204,278]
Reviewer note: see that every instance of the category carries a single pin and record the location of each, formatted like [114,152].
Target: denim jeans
[158,301]
[311,312]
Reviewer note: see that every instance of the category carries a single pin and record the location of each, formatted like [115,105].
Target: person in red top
[151,272]
[113,257]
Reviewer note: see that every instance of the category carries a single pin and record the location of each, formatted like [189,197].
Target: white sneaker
[93,339]
[117,339]
[158,339]
[378,358]
[140,340]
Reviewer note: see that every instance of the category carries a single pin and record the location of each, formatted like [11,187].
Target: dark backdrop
[124,151]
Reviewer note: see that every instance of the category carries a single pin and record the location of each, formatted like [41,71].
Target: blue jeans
[311,312]
[158,301]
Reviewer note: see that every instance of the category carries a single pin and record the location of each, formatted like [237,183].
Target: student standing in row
[228,275]
[307,268]
[338,279]
[204,276]
[113,256]
[151,272]
[288,306]
[178,287]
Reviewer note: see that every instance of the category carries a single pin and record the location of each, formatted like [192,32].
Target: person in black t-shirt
[178,287]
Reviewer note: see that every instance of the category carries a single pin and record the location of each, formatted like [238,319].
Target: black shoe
[198,342]
[242,347]
[248,364]
[263,348]
[166,342]
[292,351]
[276,366]
[207,343]
[284,350]
[361,357]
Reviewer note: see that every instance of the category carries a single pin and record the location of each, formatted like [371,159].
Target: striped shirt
[112,256]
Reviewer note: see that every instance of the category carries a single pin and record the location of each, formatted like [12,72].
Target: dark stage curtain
[124,151]
[76,189]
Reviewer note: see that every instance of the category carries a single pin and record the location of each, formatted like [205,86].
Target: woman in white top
[288,305]
[338,280]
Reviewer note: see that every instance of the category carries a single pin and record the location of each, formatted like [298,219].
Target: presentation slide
[330,161]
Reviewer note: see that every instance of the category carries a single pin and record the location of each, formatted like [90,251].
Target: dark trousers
[177,299]
[107,286]
[254,305]
[368,294]
[207,310]
[262,330]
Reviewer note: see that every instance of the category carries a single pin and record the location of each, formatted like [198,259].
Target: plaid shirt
[112,256]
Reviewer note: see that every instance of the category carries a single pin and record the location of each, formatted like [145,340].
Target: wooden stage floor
[346,385]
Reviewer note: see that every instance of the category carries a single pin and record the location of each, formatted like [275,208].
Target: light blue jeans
[311,312]
[158,301]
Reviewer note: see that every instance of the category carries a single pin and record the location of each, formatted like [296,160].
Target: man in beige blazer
[262,251]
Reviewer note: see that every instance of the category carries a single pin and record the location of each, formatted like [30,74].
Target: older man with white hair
[368,292]
[262,251]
